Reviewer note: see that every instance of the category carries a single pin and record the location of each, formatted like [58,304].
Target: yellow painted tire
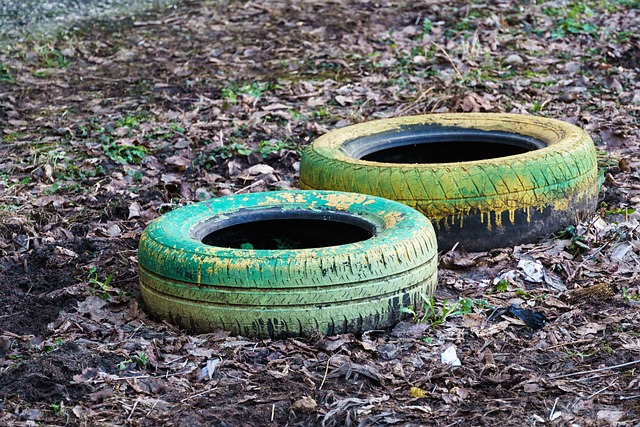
[482,203]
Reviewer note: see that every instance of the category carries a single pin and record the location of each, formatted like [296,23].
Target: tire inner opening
[289,233]
[443,145]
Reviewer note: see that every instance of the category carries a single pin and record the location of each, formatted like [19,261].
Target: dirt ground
[108,127]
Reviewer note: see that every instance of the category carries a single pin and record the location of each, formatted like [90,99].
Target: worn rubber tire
[287,292]
[481,204]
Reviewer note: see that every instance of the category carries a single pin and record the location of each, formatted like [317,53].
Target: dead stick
[133,409]
[248,187]
[564,344]
[629,397]
[602,389]
[153,407]
[137,377]
[326,371]
[553,410]
[417,100]
[622,365]
[446,54]
[199,394]
[137,329]
[582,264]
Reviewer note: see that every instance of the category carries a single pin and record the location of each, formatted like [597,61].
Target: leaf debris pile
[108,127]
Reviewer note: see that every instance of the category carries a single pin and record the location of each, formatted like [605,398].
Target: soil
[107,127]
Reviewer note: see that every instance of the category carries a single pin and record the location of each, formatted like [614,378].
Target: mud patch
[49,376]
[40,284]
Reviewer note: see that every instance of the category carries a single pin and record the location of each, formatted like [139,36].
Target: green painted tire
[541,175]
[351,287]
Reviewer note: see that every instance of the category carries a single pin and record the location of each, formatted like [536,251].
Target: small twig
[629,397]
[257,6]
[146,23]
[182,134]
[442,49]
[133,409]
[591,225]
[248,187]
[273,411]
[545,102]
[630,186]
[553,409]
[137,377]
[137,329]
[307,95]
[149,23]
[199,394]
[326,371]
[169,362]
[153,407]
[602,389]
[437,103]
[9,315]
[589,378]
[419,99]
[564,344]
[582,264]
[622,365]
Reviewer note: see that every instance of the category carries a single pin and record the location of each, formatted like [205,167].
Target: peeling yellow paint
[268,201]
[510,203]
[391,218]
[342,201]
[286,197]
[493,218]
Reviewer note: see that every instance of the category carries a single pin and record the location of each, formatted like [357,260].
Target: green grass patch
[5,74]
[125,154]
[255,90]
[435,313]
[50,57]
[574,19]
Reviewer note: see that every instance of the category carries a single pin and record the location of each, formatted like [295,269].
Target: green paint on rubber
[287,292]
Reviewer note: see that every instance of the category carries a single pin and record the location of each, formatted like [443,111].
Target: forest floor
[107,127]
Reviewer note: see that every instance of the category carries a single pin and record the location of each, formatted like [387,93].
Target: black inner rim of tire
[275,229]
[425,144]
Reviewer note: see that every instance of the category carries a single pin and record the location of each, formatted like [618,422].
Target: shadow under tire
[366,258]
[484,180]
